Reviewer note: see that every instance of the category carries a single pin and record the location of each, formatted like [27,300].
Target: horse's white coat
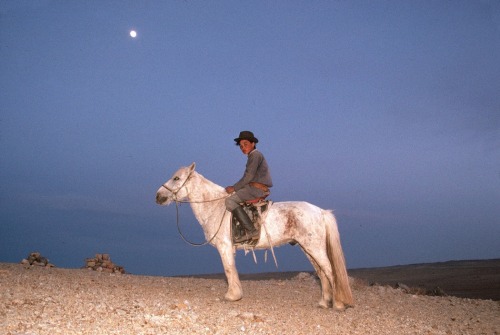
[313,228]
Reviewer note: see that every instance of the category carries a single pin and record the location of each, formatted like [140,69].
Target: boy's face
[246,146]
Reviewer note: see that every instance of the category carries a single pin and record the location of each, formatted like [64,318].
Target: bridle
[174,193]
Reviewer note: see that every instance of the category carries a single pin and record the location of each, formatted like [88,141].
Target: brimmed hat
[246,135]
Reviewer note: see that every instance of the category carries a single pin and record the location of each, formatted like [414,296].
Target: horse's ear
[192,166]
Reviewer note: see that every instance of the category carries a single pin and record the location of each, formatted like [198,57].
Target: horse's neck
[204,189]
[207,199]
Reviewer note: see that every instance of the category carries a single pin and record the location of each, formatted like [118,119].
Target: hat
[246,135]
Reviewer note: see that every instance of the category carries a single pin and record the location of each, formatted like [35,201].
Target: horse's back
[298,206]
[298,215]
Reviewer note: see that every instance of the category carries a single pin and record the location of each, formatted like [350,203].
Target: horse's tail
[342,289]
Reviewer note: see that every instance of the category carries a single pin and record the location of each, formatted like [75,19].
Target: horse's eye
[176,178]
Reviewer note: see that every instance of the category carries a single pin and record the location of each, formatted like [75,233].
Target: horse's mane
[209,185]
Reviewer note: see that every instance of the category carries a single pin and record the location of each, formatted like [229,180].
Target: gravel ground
[36,301]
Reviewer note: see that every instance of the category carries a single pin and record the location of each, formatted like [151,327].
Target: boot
[251,233]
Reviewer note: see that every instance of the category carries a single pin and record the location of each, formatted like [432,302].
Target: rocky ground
[43,300]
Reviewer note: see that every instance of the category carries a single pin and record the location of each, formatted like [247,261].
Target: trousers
[246,193]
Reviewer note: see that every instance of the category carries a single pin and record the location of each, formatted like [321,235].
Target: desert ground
[41,300]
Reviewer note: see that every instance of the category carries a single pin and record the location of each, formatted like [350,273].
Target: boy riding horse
[255,183]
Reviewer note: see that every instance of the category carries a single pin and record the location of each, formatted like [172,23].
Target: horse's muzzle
[161,199]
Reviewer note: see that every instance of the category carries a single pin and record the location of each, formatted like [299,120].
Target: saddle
[254,208]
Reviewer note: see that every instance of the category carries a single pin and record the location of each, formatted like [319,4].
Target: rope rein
[174,193]
[182,235]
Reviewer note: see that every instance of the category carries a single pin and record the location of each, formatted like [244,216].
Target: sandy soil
[40,301]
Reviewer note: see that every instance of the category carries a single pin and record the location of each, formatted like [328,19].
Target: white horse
[313,228]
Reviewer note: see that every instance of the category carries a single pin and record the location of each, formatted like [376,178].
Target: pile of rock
[36,259]
[102,262]
[437,291]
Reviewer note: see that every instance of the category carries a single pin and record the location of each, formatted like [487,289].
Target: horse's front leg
[234,291]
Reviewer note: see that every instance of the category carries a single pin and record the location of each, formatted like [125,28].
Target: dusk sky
[386,112]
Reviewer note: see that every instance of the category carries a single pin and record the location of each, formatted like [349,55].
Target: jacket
[256,170]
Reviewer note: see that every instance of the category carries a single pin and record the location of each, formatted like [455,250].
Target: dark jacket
[256,170]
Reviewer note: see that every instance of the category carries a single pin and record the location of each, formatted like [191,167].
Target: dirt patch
[68,301]
[475,279]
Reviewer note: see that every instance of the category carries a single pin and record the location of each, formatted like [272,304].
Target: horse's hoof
[232,298]
[324,304]
[339,306]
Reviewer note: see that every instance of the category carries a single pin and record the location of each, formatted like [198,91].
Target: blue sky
[386,112]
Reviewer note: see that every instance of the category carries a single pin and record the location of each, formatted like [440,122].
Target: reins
[174,193]
[179,228]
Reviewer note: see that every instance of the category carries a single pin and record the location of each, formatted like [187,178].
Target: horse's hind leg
[326,286]
[327,283]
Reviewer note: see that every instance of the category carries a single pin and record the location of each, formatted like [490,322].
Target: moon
[133,34]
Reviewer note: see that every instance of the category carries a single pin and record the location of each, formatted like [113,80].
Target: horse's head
[174,189]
